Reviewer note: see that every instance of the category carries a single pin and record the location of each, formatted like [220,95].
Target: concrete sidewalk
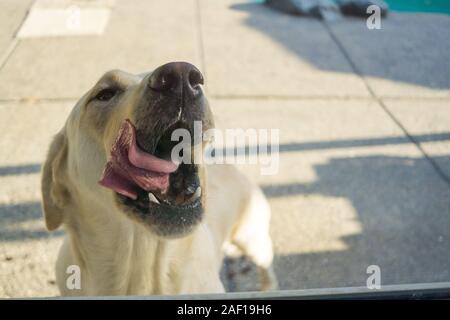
[364,118]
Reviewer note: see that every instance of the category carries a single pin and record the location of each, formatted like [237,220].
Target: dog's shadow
[401,205]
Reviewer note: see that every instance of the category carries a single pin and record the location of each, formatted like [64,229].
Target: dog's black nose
[175,77]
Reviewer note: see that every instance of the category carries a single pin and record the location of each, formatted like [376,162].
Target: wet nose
[176,77]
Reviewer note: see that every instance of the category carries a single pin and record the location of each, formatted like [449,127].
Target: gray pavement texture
[364,119]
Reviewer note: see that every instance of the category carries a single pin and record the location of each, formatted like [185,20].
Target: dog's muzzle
[165,196]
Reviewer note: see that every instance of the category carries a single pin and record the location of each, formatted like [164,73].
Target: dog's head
[115,151]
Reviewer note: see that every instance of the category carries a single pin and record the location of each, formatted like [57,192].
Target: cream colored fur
[119,256]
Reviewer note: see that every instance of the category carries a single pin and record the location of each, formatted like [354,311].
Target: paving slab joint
[383,106]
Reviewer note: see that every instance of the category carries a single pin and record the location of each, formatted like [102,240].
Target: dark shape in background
[409,48]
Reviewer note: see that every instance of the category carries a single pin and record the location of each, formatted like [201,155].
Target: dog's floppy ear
[54,174]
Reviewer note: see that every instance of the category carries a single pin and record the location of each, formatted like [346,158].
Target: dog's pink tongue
[144,160]
[131,168]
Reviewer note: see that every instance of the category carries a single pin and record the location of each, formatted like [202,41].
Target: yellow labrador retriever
[138,223]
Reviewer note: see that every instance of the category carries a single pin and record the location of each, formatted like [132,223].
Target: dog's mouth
[150,187]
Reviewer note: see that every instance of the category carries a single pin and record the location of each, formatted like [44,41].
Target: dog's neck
[118,256]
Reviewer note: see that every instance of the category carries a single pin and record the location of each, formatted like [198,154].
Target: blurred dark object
[327,9]
[359,7]
[315,8]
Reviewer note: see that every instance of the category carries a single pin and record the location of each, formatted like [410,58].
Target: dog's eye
[106,94]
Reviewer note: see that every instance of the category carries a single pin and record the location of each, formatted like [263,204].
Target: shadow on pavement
[20,169]
[405,40]
[342,144]
[14,219]
[403,208]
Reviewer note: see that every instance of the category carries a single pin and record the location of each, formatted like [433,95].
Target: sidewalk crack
[383,106]
[8,53]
